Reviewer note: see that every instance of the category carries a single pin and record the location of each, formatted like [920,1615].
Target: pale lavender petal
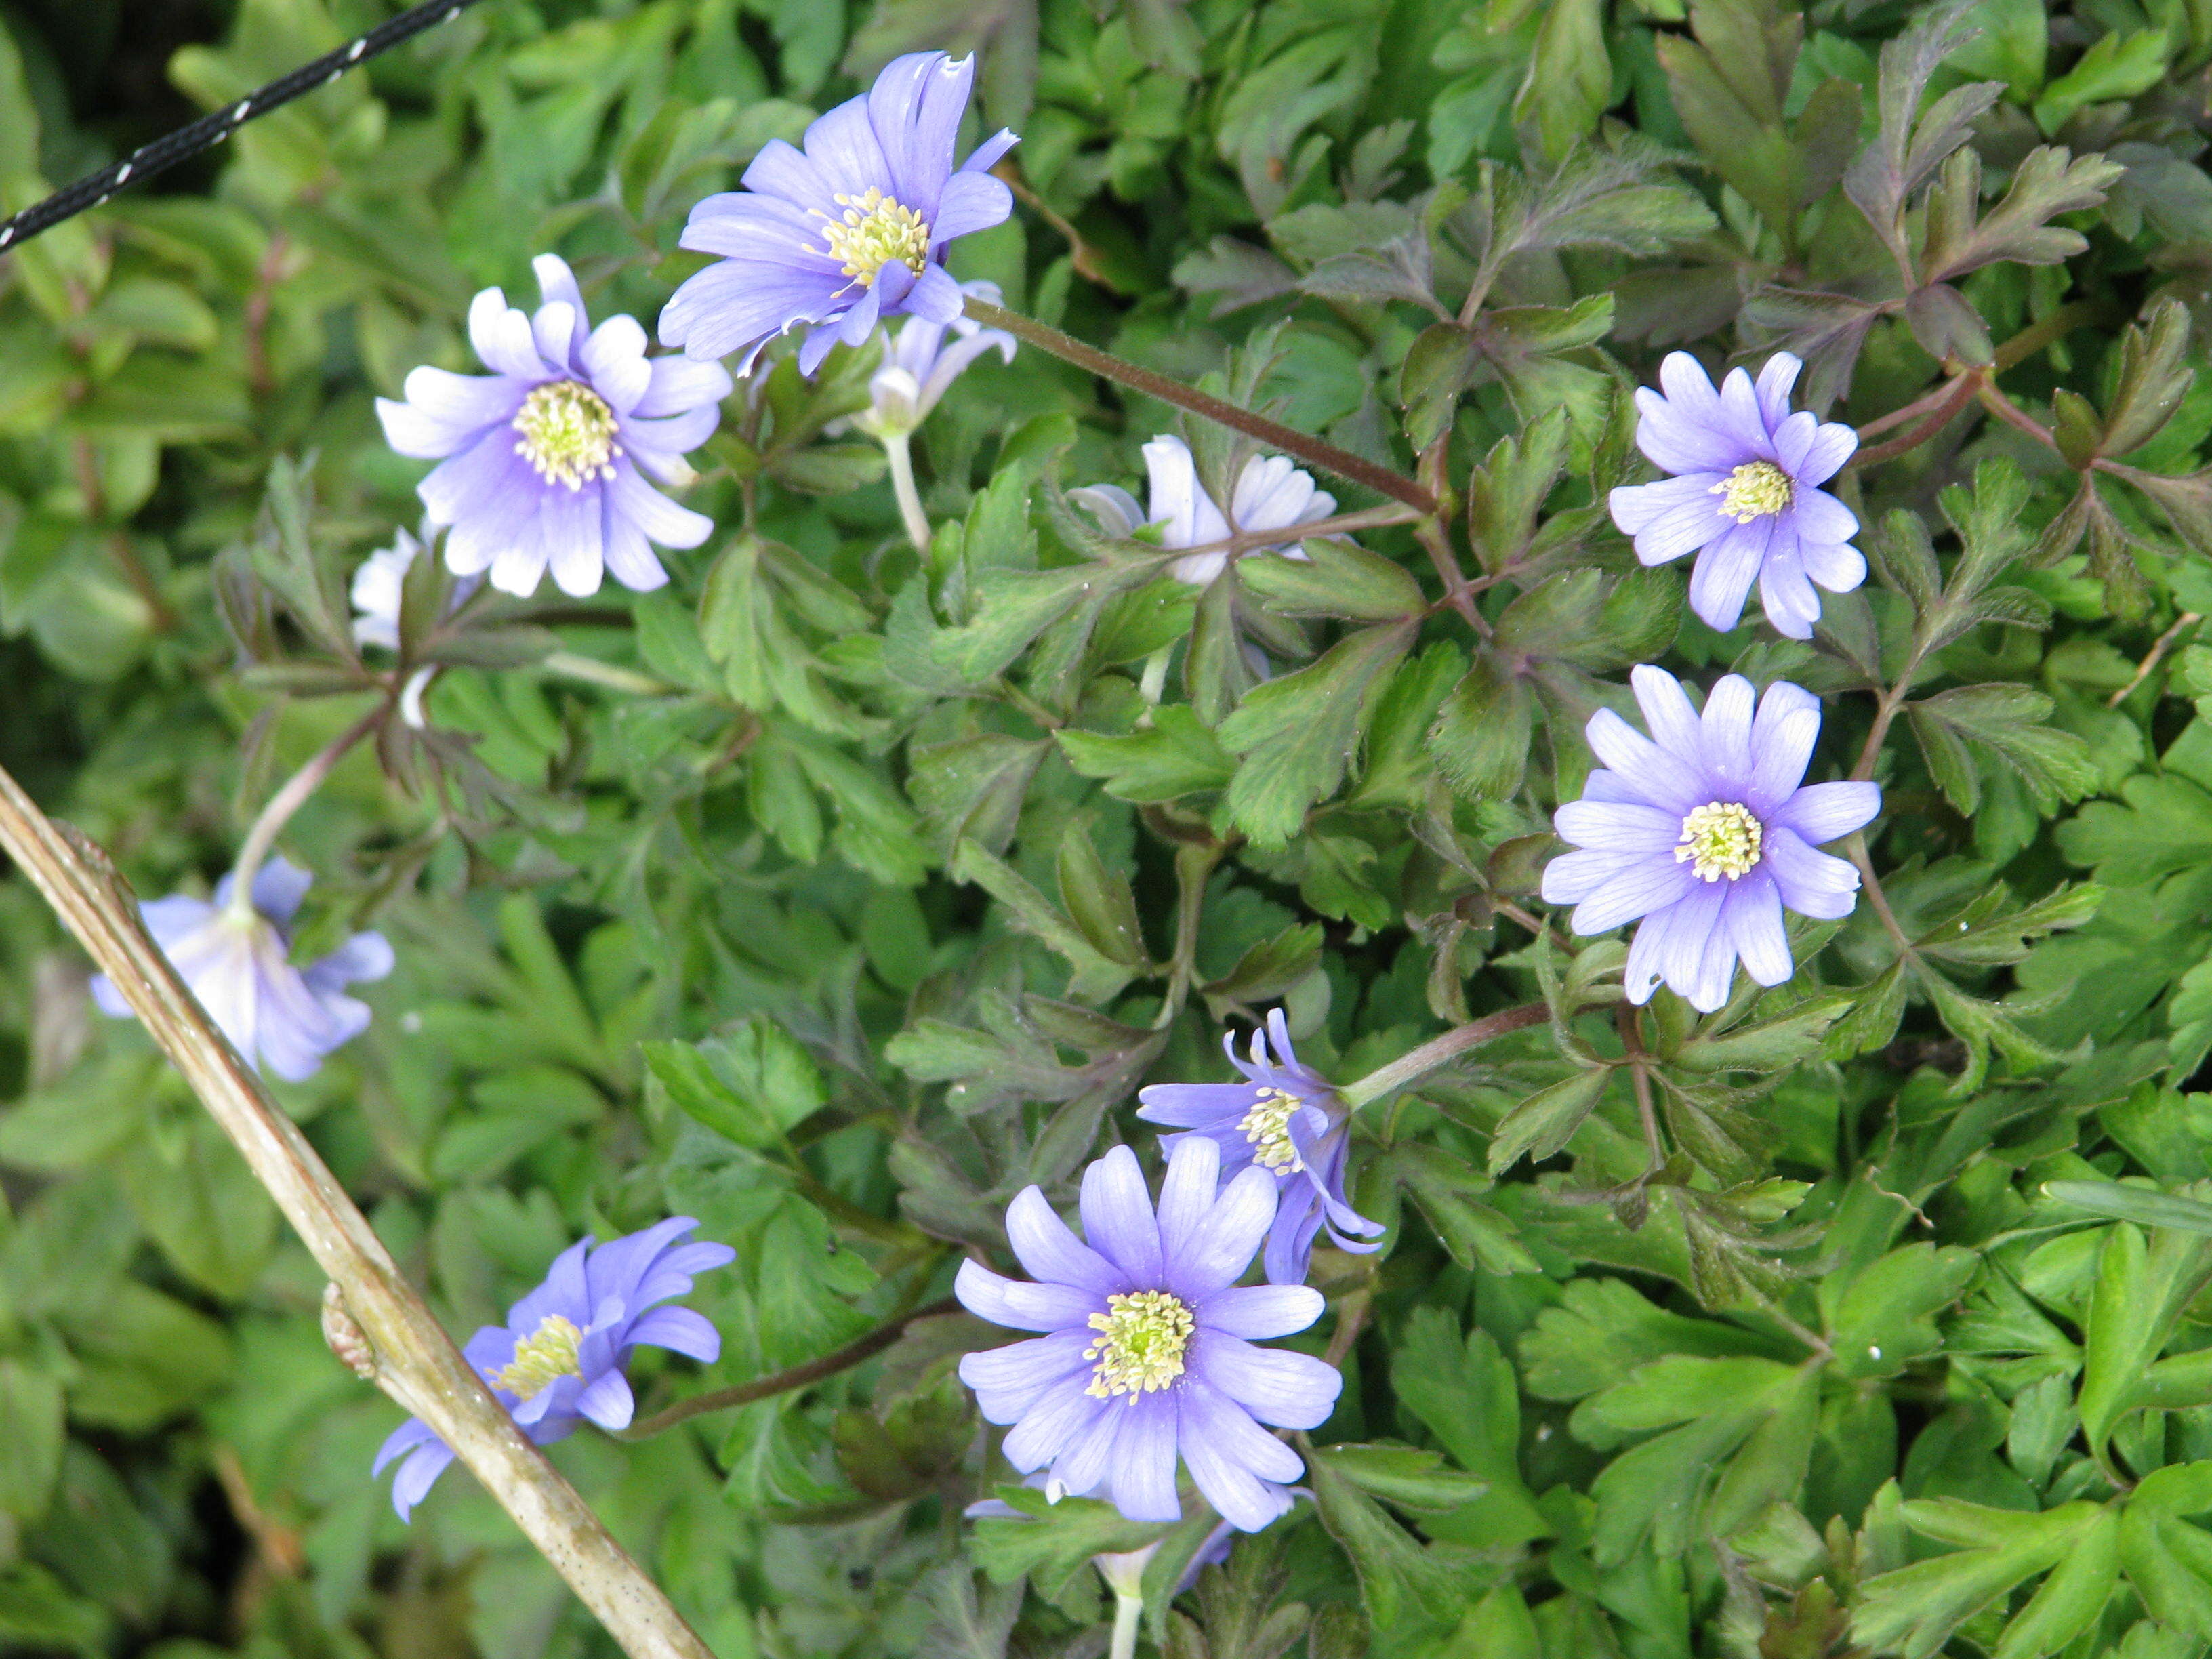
[1782,754]
[780,170]
[1822,812]
[1726,570]
[1225,1425]
[1649,885]
[1673,441]
[934,297]
[1051,1252]
[1645,966]
[1775,381]
[984,155]
[1289,1256]
[1661,780]
[1691,926]
[1724,734]
[417,1475]
[1186,1194]
[1046,1430]
[556,284]
[692,1335]
[1573,877]
[408,1435]
[572,529]
[1145,1460]
[1117,1215]
[1258,1312]
[630,558]
[842,143]
[1823,453]
[1784,591]
[1219,1258]
[1188,513]
[279,887]
[734,305]
[1022,1306]
[1670,518]
[1011,1382]
[1086,1459]
[502,338]
[1194,1105]
[1812,883]
[655,516]
[971,201]
[1740,414]
[1838,569]
[678,386]
[1817,516]
[1667,714]
[1289,1389]
[613,357]
[1752,920]
[607,1401]
[1615,827]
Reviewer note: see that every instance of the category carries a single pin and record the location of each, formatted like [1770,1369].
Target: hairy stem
[591,671]
[783,1381]
[2182,624]
[1194,862]
[411,1356]
[1289,439]
[290,799]
[899,446]
[1629,1020]
[1418,1063]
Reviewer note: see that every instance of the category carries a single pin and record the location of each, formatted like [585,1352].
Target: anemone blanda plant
[919,365]
[1284,1118]
[235,957]
[379,587]
[1148,1354]
[543,463]
[848,232]
[1746,496]
[1706,830]
[1270,494]
[559,1359]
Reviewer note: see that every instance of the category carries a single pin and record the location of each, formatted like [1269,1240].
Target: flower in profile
[1284,1118]
[848,233]
[1271,494]
[379,584]
[1706,831]
[541,462]
[559,1357]
[1149,1353]
[234,957]
[918,366]
[1744,498]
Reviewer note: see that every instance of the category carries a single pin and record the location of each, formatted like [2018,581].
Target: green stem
[1409,1067]
[1289,439]
[573,666]
[783,1381]
[289,800]
[899,446]
[1194,862]
[1128,1617]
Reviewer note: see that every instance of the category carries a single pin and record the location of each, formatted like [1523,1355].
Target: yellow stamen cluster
[1142,1336]
[541,1358]
[1753,490]
[874,230]
[1719,839]
[568,434]
[1267,1127]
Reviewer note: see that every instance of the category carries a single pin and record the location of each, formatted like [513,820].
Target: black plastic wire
[209,130]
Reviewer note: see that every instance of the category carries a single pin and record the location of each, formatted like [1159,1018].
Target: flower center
[1753,490]
[1142,1336]
[874,230]
[1719,839]
[568,434]
[541,1358]
[1268,1126]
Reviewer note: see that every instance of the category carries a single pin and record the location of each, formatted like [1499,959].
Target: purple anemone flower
[1744,497]
[849,231]
[1148,1353]
[1287,1119]
[1271,494]
[1705,830]
[919,367]
[559,1357]
[540,460]
[234,957]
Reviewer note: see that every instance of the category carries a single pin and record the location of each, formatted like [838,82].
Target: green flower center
[541,1358]
[1142,1336]
[568,434]
[1719,839]
[1753,490]
[874,230]
[1268,1126]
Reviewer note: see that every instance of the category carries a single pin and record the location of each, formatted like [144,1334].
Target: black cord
[209,130]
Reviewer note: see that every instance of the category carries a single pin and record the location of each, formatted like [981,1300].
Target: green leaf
[1480,738]
[752,1085]
[2115,66]
[2049,181]
[1397,1576]
[1540,1124]
[1099,901]
[1335,579]
[31,1450]
[1174,756]
[1404,1475]
[1297,735]
[1914,1610]
[1052,1543]
[1092,975]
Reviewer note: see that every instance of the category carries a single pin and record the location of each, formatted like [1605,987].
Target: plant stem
[1434,1053]
[1629,1020]
[289,800]
[1292,441]
[1194,862]
[1129,1618]
[414,1361]
[783,1381]
[591,671]
[1856,849]
[899,446]
[2164,643]
[1945,407]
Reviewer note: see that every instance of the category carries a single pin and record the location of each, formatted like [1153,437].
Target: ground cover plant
[1328,827]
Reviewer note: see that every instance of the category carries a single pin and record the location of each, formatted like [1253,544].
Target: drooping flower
[848,233]
[234,957]
[1271,494]
[1706,831]
[559,1357]
[1745,498]
[540,460]
[918,366]
[1148,1353]
[1287,1119]
[379,584]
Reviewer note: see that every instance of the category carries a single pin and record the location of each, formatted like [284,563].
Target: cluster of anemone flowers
[1143,1360]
